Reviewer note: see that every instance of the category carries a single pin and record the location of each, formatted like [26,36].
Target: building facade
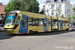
[2,11]
[58,8]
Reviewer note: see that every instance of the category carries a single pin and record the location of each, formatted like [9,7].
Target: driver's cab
[11,21]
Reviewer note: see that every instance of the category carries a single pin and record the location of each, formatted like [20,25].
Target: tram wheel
[30,32]
[36,31]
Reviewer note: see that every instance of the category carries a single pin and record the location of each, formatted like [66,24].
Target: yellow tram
[20,22]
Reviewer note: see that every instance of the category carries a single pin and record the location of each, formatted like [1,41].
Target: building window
[48,4]
[61,0]
[59,6]
[49,0]
[65,12]
[55,0]
[65,0]
[52,12]
[52,6]
[60,12]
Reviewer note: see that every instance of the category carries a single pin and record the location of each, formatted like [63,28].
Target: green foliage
[73,17]
[62,16]
[74,9]
[70,21]
[23,5]
[74,12]
[56,14]
[57,10]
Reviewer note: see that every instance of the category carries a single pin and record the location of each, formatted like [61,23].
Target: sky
[41,2]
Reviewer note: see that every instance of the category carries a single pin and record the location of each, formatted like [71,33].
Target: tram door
[23,26]
[46,26]
[61,24]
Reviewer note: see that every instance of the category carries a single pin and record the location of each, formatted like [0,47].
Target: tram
[21,22]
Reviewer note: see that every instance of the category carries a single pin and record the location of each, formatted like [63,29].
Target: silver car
[72,27]
[1,27]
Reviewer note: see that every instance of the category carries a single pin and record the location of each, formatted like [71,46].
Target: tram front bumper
[8,29]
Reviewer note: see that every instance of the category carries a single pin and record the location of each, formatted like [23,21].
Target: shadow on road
[4,35]
[47,33]
[9,36]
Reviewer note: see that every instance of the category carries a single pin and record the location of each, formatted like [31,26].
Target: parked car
[72,27]
[1,27]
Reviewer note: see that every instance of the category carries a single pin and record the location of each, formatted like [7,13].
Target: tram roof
[34,15]
[53,17]
[64,19]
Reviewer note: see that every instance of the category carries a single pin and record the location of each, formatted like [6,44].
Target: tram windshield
[10,20]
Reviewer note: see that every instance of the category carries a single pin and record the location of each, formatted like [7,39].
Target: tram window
[66,23]
[49,23]
[35,21]
[41,23]
[54,23]
[24,22]
[17,21]
[61,23]
[12,14]
[30,22]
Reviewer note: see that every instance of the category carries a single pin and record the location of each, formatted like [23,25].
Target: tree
[23,5]
[74,12]
[62,15]
[73,17]
[74,8]
[70,19]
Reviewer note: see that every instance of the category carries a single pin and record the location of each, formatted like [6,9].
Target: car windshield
[1,25]
[72,26]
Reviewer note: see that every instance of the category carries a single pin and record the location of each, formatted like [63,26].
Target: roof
[64,19]
[58,2]
[53,17]
[34,15]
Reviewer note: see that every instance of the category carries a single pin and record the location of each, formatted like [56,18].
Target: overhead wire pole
[32,6]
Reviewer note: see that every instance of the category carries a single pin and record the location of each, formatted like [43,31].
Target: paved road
[64,40]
